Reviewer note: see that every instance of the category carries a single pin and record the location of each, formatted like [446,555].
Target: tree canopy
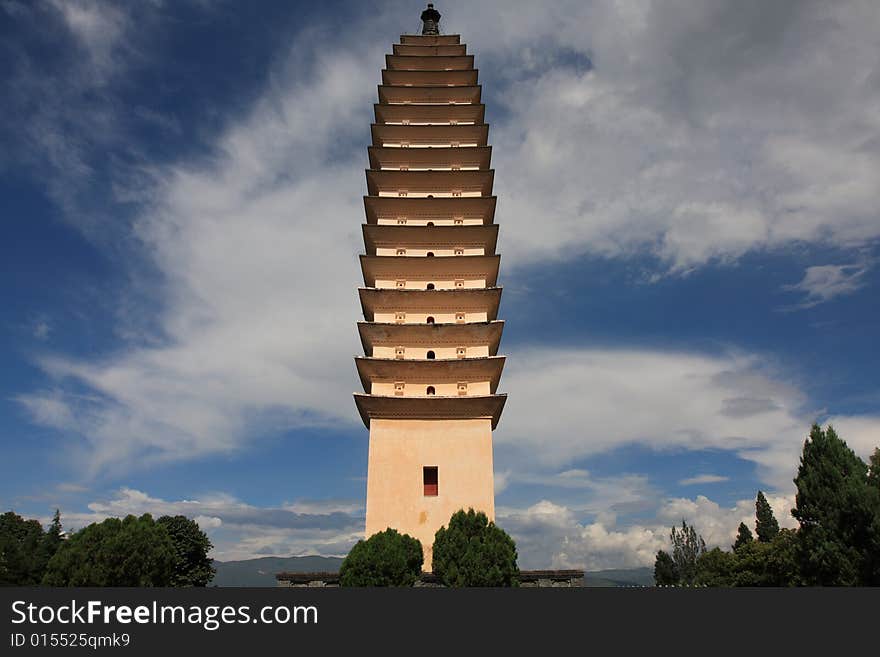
[838,512]
[129,552]
[192,566]
[766,526]
[472,551]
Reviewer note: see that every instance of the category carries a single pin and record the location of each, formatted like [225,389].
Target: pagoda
[430,298]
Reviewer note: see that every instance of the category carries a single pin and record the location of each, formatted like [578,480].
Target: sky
[688,209]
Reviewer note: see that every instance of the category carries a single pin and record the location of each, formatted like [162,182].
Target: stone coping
[526,577]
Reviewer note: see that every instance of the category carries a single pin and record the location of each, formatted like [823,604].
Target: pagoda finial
[430,20]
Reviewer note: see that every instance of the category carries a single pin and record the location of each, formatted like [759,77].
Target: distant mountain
[620,577]
[262,571]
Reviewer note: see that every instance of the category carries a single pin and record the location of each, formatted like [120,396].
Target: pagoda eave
[430,408]
[483,236]
[429,78]
[438,136]
[394,157]
[431,62]
[451,370]
[418,268]
[390,182]
[375,300]
[430,114]
[431,39]
[391,334]
[427,50]
[480,208]
[429,95]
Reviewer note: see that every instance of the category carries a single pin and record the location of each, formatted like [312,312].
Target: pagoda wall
[399,449]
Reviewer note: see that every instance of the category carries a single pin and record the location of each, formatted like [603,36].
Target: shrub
[474,552]
[384,559]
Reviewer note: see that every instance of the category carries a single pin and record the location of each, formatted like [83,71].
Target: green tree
[743,537]
[384,559]
[128,552]
[874,469]
[472,551]
[20,554]
[716,567]
[52,540]
[687,547]
[765,526]
[193,566]
[664,570]
[838,512]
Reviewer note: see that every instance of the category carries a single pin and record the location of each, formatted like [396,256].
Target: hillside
[261,572]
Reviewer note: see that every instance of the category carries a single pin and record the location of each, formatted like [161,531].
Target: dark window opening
[430,320]
[429,475]
[431,355]
[430,286]
[430,390]
[430,196]
[430,254]
[430,223]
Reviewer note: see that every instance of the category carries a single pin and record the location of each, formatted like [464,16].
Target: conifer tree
[766,526]
[839,514]
[664,570]
[743,537]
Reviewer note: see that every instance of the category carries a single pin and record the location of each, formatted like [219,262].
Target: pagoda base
[397,497]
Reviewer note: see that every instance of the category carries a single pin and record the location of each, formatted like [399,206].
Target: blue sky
[689,238]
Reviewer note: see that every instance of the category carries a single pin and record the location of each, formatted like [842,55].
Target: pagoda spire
[430,21]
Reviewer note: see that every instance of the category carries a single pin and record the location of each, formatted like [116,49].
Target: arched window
[430,223]
[430,320]
[430,196]
[430,390]
[430,254]
[431,355]
[430,286]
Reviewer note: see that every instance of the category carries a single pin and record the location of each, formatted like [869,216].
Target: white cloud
[99,27]
[550,535]
[704,131]
[239,530]
[825,282]
[600,399]
[703,479]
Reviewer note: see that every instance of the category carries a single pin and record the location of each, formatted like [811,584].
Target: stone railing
[527,578]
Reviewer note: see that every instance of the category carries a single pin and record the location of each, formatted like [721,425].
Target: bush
[385,559]
[474,552]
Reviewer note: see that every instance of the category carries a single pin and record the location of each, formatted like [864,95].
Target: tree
[874,469]
[474,552]
[716,567]
[687,547]
[743,537]
[52,540]
[128,552]
[838,512]
[765,522]
[664,570]
[384,559]
[20,554]
[193,566]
